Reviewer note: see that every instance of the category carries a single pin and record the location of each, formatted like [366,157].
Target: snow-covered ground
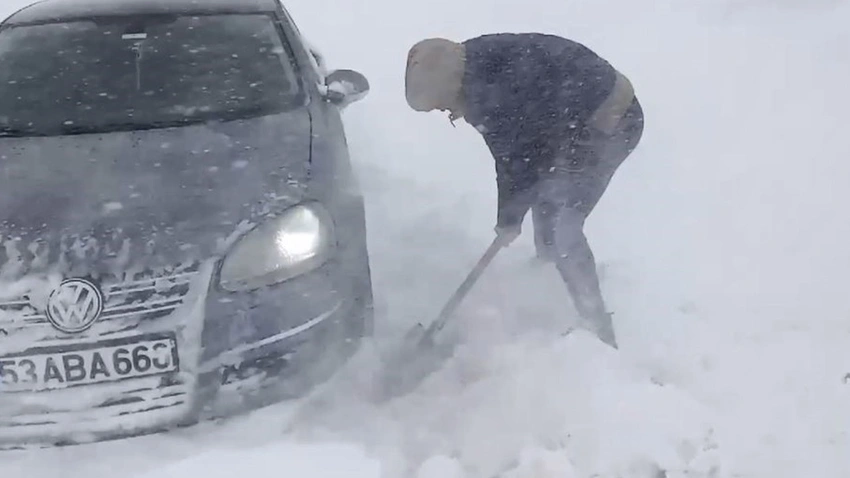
[724,240]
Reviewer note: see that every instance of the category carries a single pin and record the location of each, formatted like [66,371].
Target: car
[183,232]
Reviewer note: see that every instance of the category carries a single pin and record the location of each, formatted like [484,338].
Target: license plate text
[99,363]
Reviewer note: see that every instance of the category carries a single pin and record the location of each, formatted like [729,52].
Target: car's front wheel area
[294,366]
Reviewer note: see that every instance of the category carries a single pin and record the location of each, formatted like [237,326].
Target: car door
[317,71]
[330,145]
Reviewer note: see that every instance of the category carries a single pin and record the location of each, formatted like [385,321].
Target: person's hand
[507,234]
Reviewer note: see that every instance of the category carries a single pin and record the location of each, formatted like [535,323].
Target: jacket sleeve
[499,81]
[516,192]
[515,180]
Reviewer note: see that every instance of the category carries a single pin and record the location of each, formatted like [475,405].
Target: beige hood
[434,76]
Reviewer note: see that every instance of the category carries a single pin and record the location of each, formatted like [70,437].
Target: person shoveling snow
[558,119]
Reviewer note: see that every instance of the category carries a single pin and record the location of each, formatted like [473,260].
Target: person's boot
[598,321]
[604,326]
[603,329]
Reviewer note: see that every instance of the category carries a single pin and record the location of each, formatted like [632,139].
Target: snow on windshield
[162,72]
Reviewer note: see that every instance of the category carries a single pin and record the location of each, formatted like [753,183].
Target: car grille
[144,304]
[127,305]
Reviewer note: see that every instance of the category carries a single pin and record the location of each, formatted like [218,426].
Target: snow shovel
[419,354]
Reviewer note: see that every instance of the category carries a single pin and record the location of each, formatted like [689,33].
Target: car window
[87,76]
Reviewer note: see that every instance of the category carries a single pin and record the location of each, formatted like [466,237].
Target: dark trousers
[564,201]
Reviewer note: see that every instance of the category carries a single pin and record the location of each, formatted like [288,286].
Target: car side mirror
[345,87]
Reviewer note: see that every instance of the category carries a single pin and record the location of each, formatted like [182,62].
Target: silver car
[182,233]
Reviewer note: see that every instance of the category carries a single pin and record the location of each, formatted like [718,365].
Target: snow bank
[514,404]
[273,461]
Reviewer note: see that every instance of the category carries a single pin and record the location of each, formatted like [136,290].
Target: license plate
[51,368]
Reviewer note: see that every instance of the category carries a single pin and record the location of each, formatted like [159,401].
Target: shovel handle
[465,286]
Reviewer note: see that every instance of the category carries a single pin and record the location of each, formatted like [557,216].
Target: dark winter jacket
[529,95]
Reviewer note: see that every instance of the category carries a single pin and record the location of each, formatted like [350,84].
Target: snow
[265,462]
[723,243]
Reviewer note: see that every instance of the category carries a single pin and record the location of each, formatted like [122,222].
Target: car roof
[58,10]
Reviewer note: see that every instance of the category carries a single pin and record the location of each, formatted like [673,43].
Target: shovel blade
[414,335]
[419,354]
[411,363]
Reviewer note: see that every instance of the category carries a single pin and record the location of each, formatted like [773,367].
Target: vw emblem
[74,306]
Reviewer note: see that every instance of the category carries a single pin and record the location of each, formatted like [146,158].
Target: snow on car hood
[156,196]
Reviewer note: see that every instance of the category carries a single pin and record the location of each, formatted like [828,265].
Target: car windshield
[95,76]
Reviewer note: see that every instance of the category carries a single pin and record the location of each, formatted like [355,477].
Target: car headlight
[297,242]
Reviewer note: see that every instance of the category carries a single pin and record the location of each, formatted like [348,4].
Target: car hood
[155,196]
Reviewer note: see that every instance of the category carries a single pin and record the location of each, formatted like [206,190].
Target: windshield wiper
[70,130]
[13,132]
[74,129]
[122,126]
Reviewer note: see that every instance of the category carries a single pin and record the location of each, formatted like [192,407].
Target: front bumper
[236,351]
